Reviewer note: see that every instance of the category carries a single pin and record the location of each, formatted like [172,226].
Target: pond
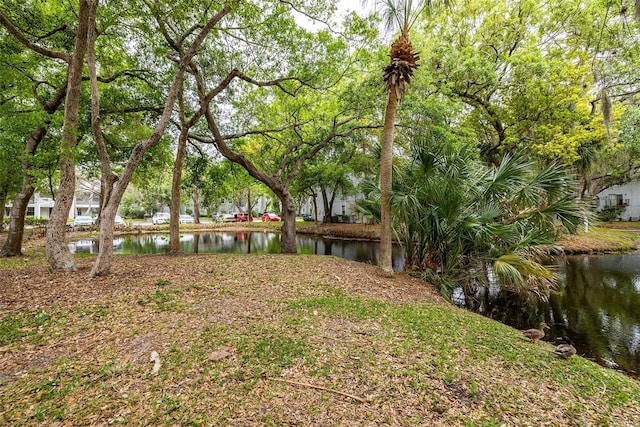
[597,303]
[241,242]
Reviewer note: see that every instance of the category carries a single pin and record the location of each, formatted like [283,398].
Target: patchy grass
[270,340]
[600,240]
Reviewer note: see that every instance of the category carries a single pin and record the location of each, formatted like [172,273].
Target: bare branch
[276,82]
[228,137]
[140,109]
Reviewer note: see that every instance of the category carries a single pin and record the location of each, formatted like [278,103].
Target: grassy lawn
[274,340]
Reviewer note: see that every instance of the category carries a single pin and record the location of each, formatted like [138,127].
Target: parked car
[160,218]
[308,217]
[82,221]
[119,221]
[228,218]
[268,216]
[185,219]
[241,217]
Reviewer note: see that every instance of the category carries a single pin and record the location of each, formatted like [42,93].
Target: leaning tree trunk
[386,157]
[174,224]
[102,265]
[58,254]
[13,244]
[288,229]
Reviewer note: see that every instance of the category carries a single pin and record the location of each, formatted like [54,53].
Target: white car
[185,219]
[82,221]
[160,218]
[119,221]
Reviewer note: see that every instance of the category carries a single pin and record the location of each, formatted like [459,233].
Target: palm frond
[523,275]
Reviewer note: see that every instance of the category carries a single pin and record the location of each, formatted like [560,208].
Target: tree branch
[317,387]
[15,31]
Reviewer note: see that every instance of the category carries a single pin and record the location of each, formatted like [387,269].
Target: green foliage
[458,218]
[38,222]
[529,75]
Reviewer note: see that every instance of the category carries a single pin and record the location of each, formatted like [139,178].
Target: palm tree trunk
[386,178]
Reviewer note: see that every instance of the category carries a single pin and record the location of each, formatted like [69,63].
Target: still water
[597,303]
[241,242]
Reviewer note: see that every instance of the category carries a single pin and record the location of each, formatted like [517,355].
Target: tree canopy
[125,90]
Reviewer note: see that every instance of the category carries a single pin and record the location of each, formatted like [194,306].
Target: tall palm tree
[398,14]
[404,60]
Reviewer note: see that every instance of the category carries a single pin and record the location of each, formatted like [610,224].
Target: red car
[267,216]
[242,217]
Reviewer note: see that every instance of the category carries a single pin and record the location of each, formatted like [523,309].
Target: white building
[41,206]
[623,200]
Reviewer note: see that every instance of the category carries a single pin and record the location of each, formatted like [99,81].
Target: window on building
[31,211]
[614,200]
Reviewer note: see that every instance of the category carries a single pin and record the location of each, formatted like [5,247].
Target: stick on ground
[359,399]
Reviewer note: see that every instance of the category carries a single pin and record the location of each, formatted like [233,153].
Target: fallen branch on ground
[359,399]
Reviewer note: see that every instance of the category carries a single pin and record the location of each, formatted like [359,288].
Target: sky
[343,6]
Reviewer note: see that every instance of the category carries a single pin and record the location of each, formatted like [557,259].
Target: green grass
[34,327]
[415,355]
[458,347]
[228,325]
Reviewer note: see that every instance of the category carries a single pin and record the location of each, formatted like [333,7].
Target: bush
[133,212]
[340,219]
[37,222]
[610,213]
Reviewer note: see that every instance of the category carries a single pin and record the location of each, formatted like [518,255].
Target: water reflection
[596,305]
[241,242]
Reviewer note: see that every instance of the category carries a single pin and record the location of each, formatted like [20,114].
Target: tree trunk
[102,264]
[386,160]
[331,200]
[315,208]
[4,192]
[13,244]
[174,225]
[249,206]
[325,203]
[196,205]
[288,229]
[57,252]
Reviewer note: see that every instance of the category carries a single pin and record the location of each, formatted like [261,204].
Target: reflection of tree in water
[596,306]
[602,302]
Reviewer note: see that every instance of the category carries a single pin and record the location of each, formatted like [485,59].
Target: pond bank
[276,340]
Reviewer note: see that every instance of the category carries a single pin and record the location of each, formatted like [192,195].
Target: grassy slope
[242,338]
